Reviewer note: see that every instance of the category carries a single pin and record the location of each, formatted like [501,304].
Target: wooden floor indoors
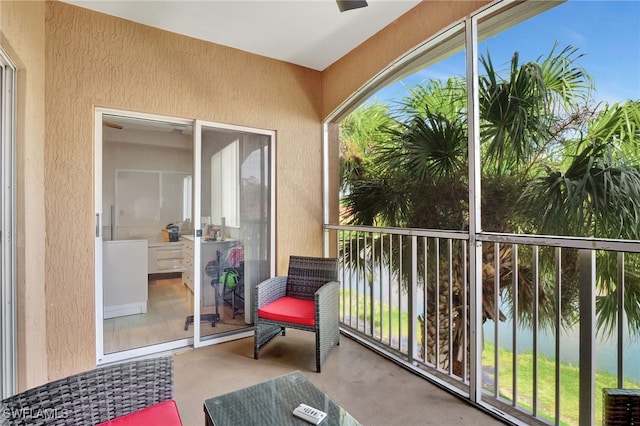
[169,303]
[372,389]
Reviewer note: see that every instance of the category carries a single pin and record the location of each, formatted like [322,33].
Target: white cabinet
[165,257]
[124,278]
[187,262]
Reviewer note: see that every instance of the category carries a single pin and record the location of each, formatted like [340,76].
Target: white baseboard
[126,309]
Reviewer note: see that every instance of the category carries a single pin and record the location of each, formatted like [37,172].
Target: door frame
[8,318]
[198,339]
[101,357]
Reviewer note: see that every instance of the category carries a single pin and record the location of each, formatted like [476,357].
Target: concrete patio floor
[371,388]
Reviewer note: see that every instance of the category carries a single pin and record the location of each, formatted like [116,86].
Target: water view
[605,349]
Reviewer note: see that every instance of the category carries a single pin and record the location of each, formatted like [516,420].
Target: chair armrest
[329,292]
[270,290]
[326,296]
[327,304]
[327,301]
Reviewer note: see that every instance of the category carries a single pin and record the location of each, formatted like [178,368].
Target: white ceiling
[311,33]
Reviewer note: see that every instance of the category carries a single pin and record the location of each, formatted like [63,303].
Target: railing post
[413,300]
[516,297]
[372,321]
[587,280]
[475,223]
[558,325]
[536,323]
[475,320]
[621,318]
[450,304]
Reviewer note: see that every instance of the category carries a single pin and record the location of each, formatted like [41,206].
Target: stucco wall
[351,72]
[22,36]
[97,60]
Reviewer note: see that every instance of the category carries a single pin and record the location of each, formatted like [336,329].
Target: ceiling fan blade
[112,125]
[345,5]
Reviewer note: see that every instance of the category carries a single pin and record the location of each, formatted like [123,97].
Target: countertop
[202,240]
[164,244]
[154,243]
[124,241]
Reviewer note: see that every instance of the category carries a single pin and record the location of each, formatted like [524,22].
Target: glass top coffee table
[272,403]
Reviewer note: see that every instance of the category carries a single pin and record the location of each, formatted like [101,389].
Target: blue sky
[607,32]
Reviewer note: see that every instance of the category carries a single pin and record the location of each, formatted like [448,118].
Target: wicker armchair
[306,299]
[92,397]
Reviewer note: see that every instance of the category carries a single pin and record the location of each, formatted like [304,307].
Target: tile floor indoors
[372,389]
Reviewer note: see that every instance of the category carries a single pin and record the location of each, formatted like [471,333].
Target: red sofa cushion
[290,309]
[161,414]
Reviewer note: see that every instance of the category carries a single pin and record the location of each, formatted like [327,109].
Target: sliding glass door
[233,246]
[184,215]
[142,166]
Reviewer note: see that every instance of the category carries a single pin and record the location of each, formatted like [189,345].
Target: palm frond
[427,147]
[512,111]
[618,124]
[564,79]
[375,202]
[360,133]
[607,308]
[595,196]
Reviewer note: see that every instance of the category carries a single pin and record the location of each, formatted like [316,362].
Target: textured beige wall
[97,60]
[347,75]
[22,36]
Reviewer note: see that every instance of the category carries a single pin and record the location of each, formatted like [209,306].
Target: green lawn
[390,317]
[569,374]
[569,380]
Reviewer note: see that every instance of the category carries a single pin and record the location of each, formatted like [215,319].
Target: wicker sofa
[97,396]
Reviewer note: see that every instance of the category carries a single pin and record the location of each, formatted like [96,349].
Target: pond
[605,348]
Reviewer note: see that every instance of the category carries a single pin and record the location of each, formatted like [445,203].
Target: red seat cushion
[290,309]
[162,414]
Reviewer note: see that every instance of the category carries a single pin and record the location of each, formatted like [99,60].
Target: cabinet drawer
[169,265]
[168,253]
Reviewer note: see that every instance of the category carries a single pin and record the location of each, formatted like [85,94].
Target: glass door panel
[233,199]
[145,162]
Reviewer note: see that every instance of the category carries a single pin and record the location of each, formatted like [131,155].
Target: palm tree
[551,164]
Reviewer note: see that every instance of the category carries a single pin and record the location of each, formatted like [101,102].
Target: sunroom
[255,158]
